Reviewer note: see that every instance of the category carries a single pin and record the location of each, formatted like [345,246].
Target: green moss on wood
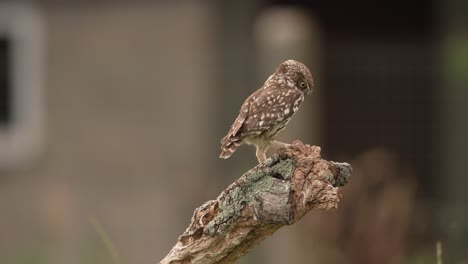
[254,183]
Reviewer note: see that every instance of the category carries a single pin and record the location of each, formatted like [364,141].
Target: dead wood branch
[273,194]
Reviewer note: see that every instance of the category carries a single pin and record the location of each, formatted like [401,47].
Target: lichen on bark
[248,190]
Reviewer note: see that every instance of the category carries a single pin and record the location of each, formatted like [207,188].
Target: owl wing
[269,108]
[243,114]
[262,110]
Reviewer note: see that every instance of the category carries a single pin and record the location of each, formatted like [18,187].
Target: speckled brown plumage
[267,111]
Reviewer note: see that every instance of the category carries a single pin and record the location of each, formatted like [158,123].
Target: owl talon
[279,144]
[261,154]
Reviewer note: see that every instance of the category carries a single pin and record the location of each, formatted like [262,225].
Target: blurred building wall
[128,92]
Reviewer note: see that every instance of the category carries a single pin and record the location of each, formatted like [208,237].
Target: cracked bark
[273,194]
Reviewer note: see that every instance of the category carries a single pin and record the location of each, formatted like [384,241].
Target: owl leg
[279,144]
[261,153]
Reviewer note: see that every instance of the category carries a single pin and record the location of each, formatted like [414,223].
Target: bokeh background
[133,97]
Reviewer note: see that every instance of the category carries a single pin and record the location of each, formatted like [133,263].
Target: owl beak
[309,89]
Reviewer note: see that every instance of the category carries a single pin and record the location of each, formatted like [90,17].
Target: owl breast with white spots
[267,111]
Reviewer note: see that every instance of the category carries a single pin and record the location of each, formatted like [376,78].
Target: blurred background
[111,114]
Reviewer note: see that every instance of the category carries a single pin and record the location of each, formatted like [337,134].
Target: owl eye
[302,84]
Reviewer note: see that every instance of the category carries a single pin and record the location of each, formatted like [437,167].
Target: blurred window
[21,108]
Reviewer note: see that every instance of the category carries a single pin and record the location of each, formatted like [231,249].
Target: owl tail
[228,147]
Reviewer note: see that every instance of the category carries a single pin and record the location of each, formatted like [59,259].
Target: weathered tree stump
[272,194]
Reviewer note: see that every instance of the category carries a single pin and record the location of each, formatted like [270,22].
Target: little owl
[267,111]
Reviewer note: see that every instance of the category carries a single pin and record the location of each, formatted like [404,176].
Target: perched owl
[267,111]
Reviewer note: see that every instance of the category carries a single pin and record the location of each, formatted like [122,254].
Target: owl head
[296,73]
